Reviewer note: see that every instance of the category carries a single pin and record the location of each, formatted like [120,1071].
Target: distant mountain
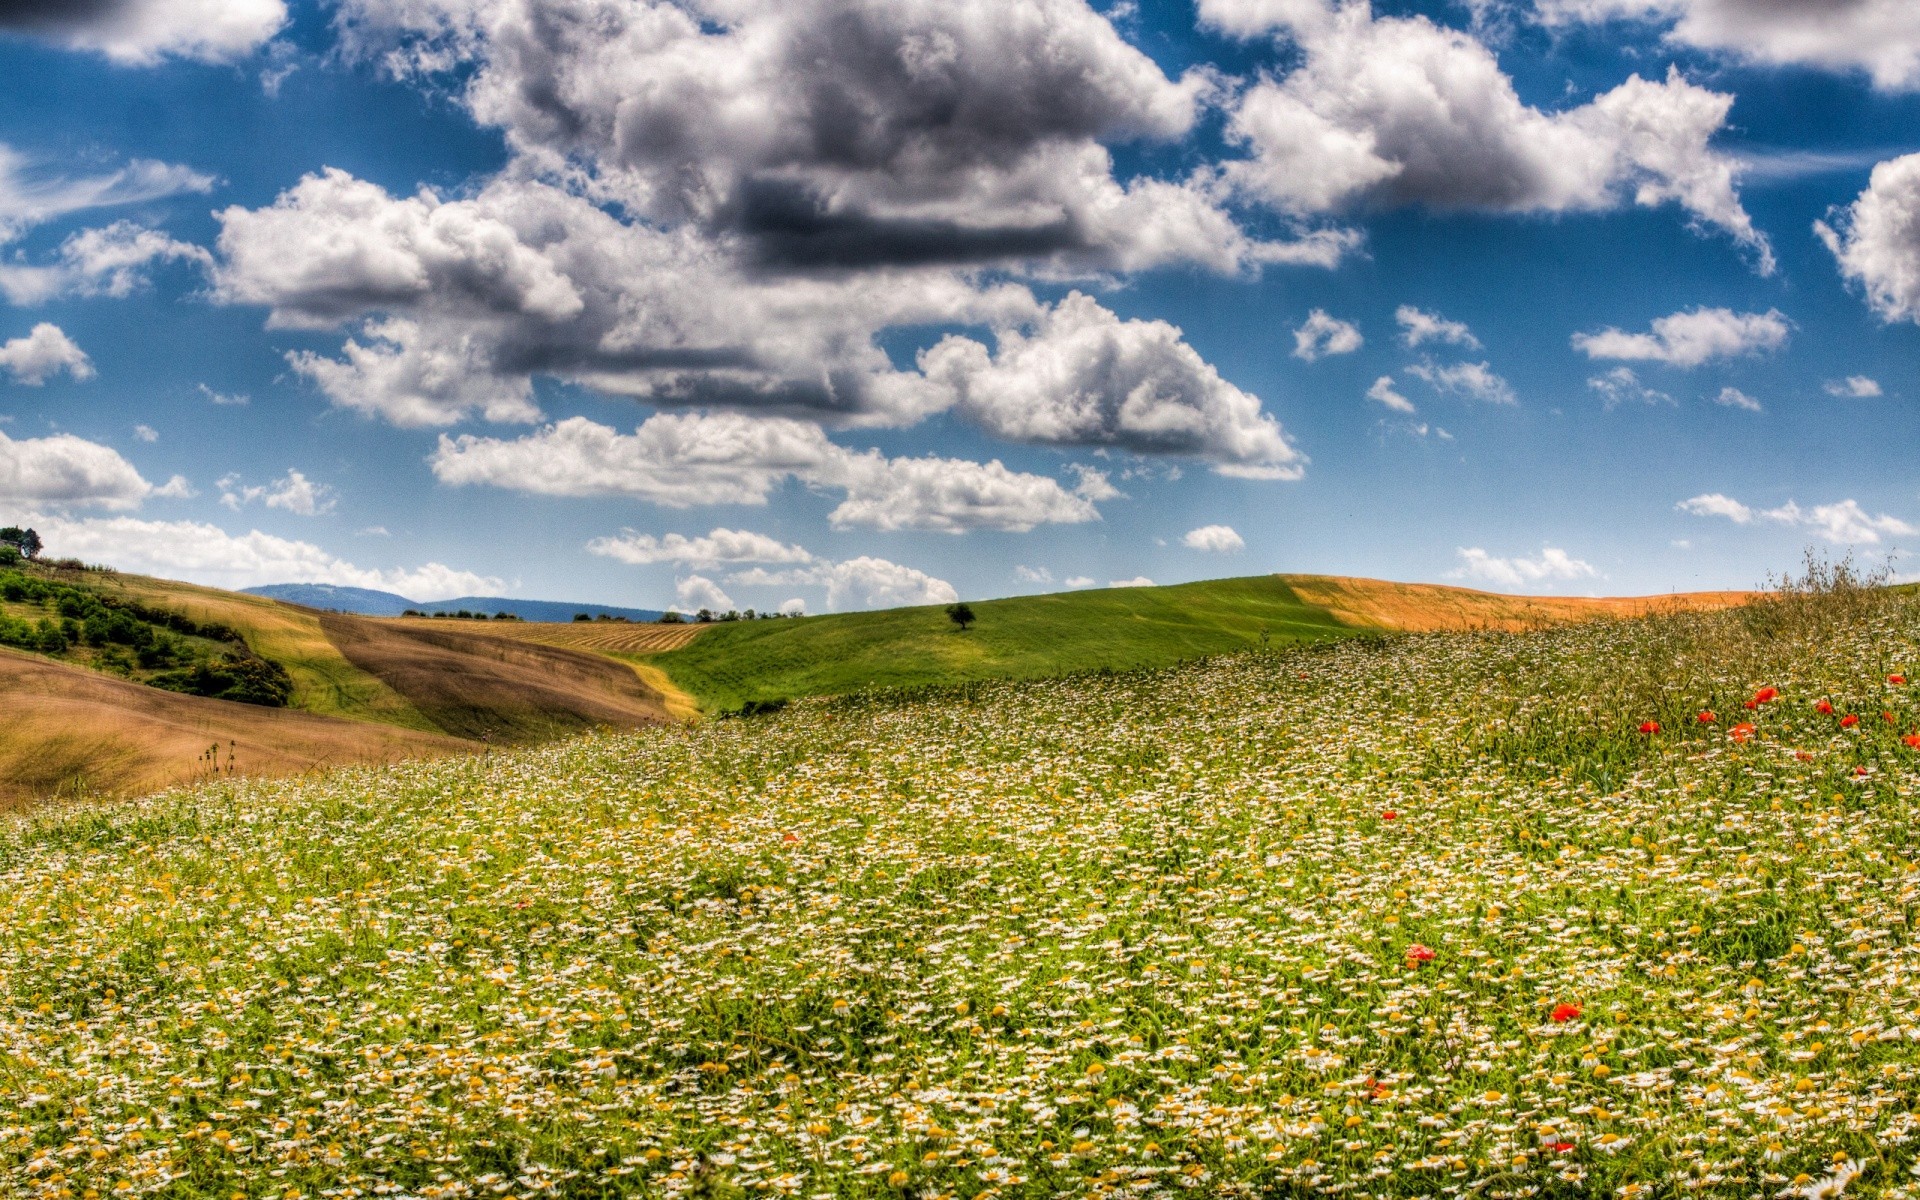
[367,602]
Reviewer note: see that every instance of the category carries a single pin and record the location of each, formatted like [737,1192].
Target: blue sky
[838,304]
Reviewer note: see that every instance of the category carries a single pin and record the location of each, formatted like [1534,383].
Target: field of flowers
[1608,910]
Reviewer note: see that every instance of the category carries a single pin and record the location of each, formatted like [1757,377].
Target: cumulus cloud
[839,133]
[1688,339]
[204,553]
[1382,392]
[1878,37]
[292,492]
[1321,335]
[719,546]
[1402,111]
[144,32]
[1475,381]
[43,353]
[1845,523]
[66,471]
[866,581]
[1418,327]
[31,195]
[685,459]
[1084,377]
[1876,239]
[223,398]
[1136,581]
[1026,574]
[696,592]
[1733,397]
[1854,387]
[1553,565]
[113,261]
[1217,539]
[1621,386]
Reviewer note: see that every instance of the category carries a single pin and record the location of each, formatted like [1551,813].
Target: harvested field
[70,731]
[597,637]
[1429,608]
[496,689]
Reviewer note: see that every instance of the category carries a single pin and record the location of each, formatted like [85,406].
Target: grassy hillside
[1021,637]
[1412,917]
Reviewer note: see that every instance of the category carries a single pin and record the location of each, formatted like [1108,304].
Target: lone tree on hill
[24,540]
[961,615]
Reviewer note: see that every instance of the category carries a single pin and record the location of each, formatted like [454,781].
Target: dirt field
[71,731]
[493,688]
[598,637]
[1426,608]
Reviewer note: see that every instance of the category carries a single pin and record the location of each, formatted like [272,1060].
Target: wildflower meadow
[1614,909]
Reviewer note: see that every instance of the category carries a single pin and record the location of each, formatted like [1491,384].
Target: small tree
[961,615]
[24,540]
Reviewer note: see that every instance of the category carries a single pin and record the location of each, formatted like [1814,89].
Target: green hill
[1017,638]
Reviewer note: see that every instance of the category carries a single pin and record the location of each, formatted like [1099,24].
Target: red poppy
[1706,717]
[1896,679]
[1562,1013]
[1803,756]
[1766,695]
[1859,770]
[790,837]
[1751,704]
[1649,727]
[1562,1147]
[1849,721]
[1824,707]
[1389,815]
[1912,739]
[1741,732]
[1418,953]
[1887,717]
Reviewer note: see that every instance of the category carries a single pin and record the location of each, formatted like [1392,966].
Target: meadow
[1609,909]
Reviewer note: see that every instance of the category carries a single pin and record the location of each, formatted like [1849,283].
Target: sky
[833,304]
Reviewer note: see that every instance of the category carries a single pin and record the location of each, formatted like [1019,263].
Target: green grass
[1023,637]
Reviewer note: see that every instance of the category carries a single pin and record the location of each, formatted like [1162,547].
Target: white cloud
[719,546]
[1854,387]
[144,32]
[1475,381]
[1217,539]
[1401,111]
[222,398]
[1688,339]
[1026,574]
[1080,581]
[1553,565]
[1733,397]
[696,592]
[1136,581]
[203,553]
[1878,37]
[865,581]
[1876,239]
[1715,504]
[292,492]
[414,378]
[1418,328]
[44,352]
[1621,386]
[66,471]
[1322,335]
[146,433]
[1383,392]
[30,195]
[1843,523]
[1084,377]
[686,459]
[793,607]
[113,261]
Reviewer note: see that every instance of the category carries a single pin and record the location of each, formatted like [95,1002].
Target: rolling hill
[740,663]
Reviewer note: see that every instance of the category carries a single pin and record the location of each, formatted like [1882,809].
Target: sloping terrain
[494,689]
[599,637]
[1430,608]
[70,731]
